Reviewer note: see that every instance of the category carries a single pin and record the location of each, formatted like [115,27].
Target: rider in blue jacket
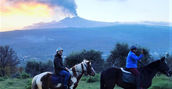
[131,64]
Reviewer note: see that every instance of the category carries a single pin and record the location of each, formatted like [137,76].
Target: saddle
[55,79]
[127,76]
[58,80]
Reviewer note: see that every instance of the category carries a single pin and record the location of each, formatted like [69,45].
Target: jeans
[67,76]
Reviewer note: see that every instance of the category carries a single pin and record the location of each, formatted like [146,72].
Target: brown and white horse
[43,80]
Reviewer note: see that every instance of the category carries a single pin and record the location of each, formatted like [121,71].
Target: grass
[14,83]
[160,82]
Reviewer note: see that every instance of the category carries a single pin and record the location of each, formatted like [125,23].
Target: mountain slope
[75,22]
[41,44]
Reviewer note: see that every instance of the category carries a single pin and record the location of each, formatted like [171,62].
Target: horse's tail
[102,83]
[34,85]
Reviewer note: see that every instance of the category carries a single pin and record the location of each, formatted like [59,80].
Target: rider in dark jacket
[59,67]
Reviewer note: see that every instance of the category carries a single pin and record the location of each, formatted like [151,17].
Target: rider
[59,67]
[131,64]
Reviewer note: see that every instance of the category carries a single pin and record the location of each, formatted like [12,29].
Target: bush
[91,55]
[119,54]
[10,83]
[24,75]
[169,61]
[91,79]
[16,75]
[9,61]
[34,67]
[161,82]
[28,84]
[161,86]
[2,78]
[84,78]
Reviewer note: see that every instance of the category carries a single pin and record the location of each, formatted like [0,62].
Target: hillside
[75,22]
[42,43]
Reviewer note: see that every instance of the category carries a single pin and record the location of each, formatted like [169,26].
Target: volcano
[75,22]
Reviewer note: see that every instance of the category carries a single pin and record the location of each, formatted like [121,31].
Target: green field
[160,82]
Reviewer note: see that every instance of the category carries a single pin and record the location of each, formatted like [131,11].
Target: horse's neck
[150,72]
[78,71]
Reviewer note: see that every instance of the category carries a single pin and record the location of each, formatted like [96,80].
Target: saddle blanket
[55,79]
[128,77]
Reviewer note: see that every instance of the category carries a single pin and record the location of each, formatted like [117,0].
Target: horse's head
[88,68]
[163,67]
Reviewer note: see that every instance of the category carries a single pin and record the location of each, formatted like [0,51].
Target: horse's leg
[34,85]
[110,86]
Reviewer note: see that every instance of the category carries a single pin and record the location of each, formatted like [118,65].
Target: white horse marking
[74,80]
[58,85]
[75,77]
[38,79]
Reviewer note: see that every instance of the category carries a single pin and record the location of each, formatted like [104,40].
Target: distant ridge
[75,22]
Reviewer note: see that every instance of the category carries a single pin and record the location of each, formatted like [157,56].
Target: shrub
[24,75]
[161,86]
[169,61]
[2,78]
[28,84]
[9,61]
[84,78]
[16,75]
[34,67]
[118,55]
[91,55]
[161,82]
[10,83]
[91,79]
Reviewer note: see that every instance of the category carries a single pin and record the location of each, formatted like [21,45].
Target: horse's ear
[163,59]
[89,62]
[85,60]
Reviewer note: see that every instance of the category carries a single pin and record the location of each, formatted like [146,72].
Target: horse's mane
[79,63]
[152,64]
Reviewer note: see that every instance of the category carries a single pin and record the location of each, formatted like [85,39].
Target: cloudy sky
[16,14]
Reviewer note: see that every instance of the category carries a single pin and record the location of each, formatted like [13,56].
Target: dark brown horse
[113,76]
[43,80]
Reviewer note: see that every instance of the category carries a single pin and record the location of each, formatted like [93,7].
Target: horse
[114,76]
[44,80]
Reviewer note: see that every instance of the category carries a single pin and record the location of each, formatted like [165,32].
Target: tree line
[117,58]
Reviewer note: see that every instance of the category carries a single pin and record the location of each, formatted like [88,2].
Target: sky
[17,14]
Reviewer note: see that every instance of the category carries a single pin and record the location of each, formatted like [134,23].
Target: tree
[8,60]
[146,58]
[91,55]
[119,53]
[169,62]
[33,67]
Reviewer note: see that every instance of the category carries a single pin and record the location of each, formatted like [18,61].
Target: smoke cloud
[67,5]
[17,14]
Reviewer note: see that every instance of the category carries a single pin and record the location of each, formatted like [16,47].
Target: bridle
[82,69]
